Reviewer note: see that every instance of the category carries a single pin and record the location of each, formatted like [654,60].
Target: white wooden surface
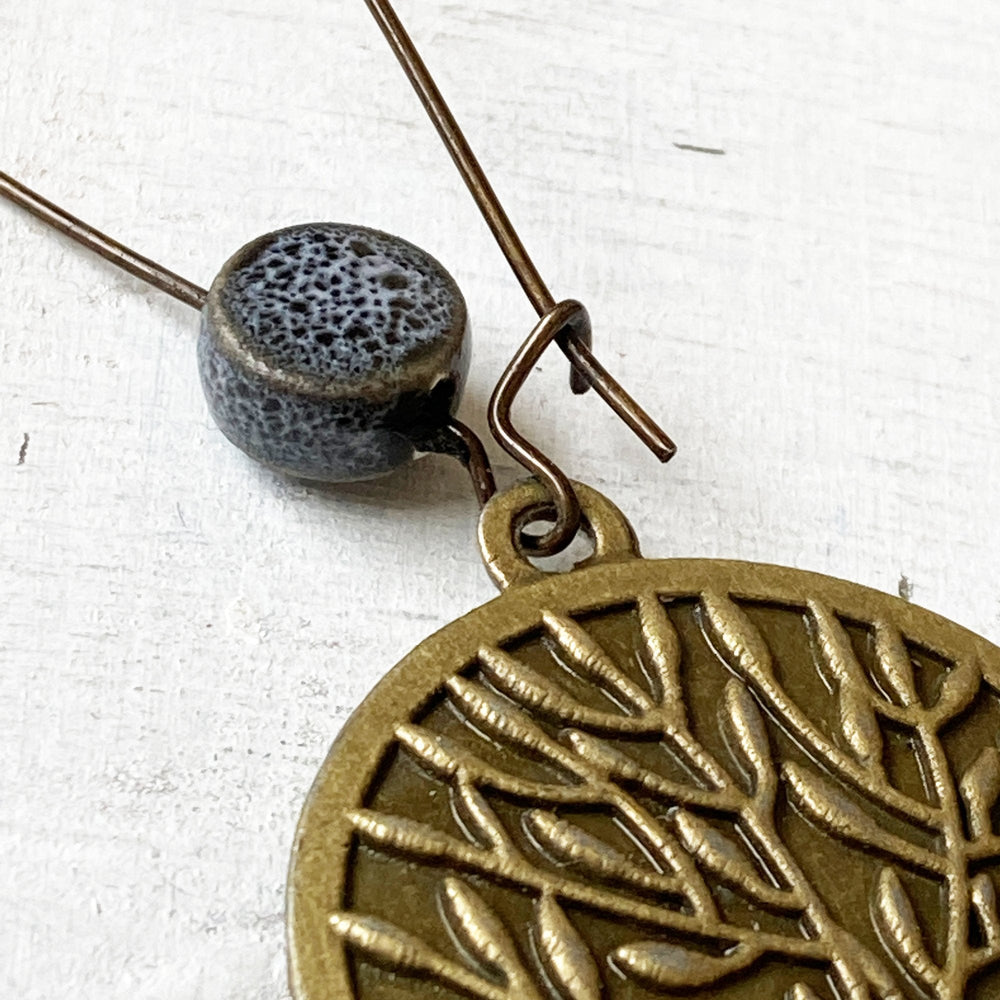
[813,314]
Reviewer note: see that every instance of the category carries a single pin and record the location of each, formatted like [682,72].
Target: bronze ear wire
[567,323]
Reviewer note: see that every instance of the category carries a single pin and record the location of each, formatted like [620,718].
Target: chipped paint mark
[699,149]
[905,587]
[23,453]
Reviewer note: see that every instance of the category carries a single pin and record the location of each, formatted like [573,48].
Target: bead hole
[418,414]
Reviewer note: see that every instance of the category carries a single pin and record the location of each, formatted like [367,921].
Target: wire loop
[565,319]
[565,322]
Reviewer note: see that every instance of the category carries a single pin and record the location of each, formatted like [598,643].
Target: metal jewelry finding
[566,323]
[657,778]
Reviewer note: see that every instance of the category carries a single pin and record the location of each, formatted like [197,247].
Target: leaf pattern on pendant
[587,787]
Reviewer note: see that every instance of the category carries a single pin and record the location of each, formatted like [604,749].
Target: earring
[651,778]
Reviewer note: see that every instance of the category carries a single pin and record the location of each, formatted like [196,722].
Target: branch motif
[889,693]
[705,823]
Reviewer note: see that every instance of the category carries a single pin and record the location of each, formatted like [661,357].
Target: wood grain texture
[812,311]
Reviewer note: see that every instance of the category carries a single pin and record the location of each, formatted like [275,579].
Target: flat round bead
[331,352]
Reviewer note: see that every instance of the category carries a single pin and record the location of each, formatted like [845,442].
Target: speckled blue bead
[332,352]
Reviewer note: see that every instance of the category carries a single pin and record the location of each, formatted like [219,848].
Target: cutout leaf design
[801,992]
[482,933]
[980,788]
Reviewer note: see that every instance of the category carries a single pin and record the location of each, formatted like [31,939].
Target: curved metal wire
[566,319]
[468,449]
[567,323]
[586,371]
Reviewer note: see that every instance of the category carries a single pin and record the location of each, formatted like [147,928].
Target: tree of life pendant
[645,779]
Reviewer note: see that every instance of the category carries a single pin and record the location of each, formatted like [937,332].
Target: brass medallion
[646,779]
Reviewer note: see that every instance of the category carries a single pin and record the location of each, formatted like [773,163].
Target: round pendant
[648,779]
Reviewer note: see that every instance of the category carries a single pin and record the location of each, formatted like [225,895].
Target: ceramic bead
[332,352]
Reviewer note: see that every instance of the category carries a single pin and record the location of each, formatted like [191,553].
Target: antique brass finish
[657,778]
[503,519]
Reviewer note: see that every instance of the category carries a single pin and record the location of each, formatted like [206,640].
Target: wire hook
[567,319]
[566,323]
